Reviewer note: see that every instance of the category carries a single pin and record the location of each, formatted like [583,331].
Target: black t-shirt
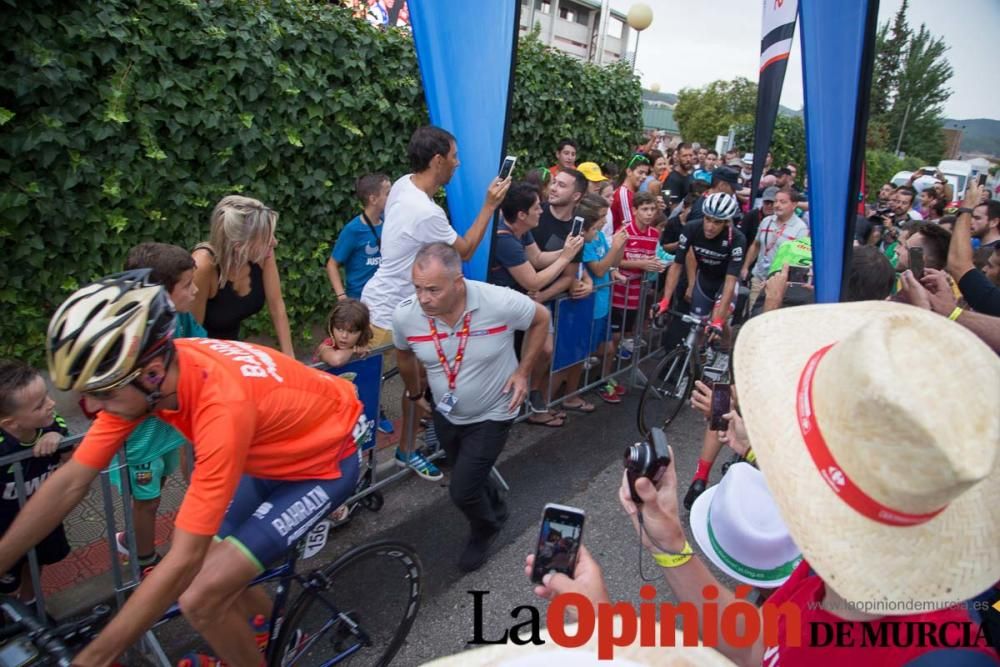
[672,231]
[551,232]
[717,258]
[508,252]
[750,223]
[679,186]
[981,295]
[36,469]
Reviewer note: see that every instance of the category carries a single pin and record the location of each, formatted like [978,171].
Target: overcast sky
[691,43]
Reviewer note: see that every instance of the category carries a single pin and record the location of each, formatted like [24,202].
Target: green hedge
[122,122]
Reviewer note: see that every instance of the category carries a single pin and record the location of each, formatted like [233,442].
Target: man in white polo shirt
[462,331]
[412,219]
[783,226]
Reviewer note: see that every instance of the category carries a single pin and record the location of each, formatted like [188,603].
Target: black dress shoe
[476,552]
[696,489]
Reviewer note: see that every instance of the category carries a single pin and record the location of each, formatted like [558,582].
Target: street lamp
[639,17]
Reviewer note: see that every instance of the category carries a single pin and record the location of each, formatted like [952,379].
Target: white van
[958,173]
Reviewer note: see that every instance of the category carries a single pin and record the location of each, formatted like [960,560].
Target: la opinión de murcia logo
[738,624]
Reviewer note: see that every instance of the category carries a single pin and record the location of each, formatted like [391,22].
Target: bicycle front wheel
[357,611]
[665,392]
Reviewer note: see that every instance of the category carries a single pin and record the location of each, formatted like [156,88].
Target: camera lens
[637,457]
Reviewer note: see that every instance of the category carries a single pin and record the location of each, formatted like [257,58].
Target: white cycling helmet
[102,335]
[720,206]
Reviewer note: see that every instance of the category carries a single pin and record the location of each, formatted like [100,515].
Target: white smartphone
[508,166]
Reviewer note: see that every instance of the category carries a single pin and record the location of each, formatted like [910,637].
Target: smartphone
[981,181]
[558,541]
[916,262]
[577,227]
[508,166]
[666,198]
[798,274]
[722,396]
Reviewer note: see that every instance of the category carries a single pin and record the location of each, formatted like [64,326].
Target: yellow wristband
[751,457]
[675,560]
[955,313]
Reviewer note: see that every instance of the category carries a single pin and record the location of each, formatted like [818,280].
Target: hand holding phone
[722,395]
[507,167]
[558,541]
[981,181]
[916,261]
[798,274]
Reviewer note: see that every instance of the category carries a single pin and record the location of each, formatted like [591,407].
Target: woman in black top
[236,272]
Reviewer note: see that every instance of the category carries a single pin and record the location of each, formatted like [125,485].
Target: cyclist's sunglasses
[638,157]
[105,393]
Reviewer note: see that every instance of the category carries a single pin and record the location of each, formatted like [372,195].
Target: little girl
[349,332]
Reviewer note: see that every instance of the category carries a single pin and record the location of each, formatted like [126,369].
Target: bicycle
[670,385]
[377,587]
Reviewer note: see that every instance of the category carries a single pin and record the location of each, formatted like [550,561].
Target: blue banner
[837,54]
[573,324]
[466,54]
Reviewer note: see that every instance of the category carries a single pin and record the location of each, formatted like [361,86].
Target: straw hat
[737,525]
[899,407]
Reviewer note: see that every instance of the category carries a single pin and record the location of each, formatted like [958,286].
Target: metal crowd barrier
[585,338]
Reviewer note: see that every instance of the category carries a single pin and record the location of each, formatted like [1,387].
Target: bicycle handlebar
[687,318]
[50,641]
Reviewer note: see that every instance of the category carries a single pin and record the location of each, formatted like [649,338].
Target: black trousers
[472,449]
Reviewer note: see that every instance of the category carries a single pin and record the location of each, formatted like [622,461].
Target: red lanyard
[463,339]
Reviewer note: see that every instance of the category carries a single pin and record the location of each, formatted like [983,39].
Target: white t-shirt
[412,220]
[771,235]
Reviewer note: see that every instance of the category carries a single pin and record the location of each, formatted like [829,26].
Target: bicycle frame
[285,574]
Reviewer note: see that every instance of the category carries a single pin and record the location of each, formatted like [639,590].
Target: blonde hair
[238,223]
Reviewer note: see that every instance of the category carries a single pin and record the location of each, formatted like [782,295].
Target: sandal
[550,420]
[584,407]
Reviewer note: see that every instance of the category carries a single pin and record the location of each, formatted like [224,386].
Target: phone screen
[577,227]
[917,262]
[507,166]
[798,274]
[982,180]
[721,399]
[558,541]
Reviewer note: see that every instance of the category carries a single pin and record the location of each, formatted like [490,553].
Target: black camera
[645,459]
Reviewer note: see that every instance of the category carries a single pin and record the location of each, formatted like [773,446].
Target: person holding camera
[881,520]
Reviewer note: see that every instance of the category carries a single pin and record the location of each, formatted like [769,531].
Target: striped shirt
[622,209]
[641,244]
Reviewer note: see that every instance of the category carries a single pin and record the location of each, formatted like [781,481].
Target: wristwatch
[417,397]
[964,209]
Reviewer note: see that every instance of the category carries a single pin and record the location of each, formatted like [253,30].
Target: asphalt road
[579,465]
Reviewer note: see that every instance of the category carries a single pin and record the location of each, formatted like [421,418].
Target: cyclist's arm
[673,277]
[691,268]
[721,311]
[157,592]
[45,510]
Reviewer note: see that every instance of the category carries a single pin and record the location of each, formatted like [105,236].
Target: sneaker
[608,394]
[384,423]
[624,353]
[199,660]
[122,549]
[618,388]
[419,465]
[148,567]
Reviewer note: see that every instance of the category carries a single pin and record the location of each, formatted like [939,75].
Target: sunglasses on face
[106,393]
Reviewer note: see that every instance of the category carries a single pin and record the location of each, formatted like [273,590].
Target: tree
[704,113]
[889,55]
[788,143]
[909,90]
[922,88]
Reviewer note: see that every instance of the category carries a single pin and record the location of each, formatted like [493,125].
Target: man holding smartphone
[462,331]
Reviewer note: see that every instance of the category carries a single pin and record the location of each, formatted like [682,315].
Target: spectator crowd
[896,390]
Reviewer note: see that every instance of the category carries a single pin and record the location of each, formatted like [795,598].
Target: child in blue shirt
[358,249]
[153,450]
[601,259]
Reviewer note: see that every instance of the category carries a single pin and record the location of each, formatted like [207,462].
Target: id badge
[447,403]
